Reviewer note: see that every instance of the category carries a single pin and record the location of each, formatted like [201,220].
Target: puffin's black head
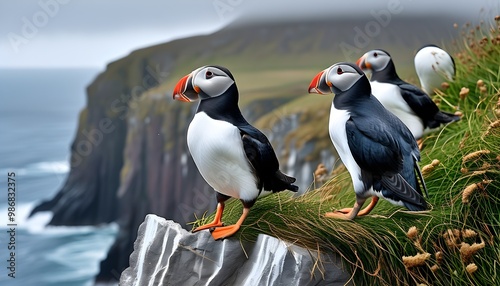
[374,60]
[204,82]
[339,78]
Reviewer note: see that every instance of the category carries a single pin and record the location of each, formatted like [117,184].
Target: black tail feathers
[280,182]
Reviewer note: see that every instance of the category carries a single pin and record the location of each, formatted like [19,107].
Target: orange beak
[319,84]
[362,63]
[185,91]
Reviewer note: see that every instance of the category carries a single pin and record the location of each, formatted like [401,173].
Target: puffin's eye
[375,54]
[209,74]
[339,71]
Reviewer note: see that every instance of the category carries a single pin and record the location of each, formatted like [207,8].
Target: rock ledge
[166,254]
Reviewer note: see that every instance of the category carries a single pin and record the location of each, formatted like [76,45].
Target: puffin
[235,158]
[433,66]
[375,146]
[412,105]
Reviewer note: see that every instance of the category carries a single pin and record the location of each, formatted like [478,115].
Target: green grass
[373,247]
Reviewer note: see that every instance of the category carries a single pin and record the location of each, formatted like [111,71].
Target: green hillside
[456,242]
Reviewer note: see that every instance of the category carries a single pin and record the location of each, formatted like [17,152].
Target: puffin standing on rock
[413,106]
[377,149]
[234,158]
[433,66]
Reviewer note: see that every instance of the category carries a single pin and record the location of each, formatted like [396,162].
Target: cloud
[90,33]
[95,16]
[93,32]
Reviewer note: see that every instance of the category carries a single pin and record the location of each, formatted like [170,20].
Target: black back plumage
[382,146]
[416,98]
[257,147]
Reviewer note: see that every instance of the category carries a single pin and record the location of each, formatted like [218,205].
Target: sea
[39,111]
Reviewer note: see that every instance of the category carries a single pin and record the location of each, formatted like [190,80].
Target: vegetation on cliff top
[454,243]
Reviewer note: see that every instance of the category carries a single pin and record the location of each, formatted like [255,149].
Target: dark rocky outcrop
[129,156]
[166,254]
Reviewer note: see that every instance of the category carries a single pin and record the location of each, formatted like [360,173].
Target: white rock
[166,254]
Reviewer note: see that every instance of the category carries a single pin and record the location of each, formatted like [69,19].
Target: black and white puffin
[234,158]
[377,149]
[409,103]
[433,66]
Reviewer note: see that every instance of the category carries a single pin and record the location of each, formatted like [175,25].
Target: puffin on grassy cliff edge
[377,149]
[409,103]
[234,158]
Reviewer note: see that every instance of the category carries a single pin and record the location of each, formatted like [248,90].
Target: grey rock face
[298,164]
[166,254]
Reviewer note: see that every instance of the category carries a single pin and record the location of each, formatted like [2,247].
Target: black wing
[454,67]
[424,107]
[418,101]
[261,156]
[398,189]
[420,177]
[386,148]
[443,117]
[373,146]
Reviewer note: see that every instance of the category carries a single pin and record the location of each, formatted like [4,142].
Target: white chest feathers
[217,151]
[390,97]
[338,135]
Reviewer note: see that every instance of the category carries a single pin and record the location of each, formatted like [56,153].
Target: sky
[91,33]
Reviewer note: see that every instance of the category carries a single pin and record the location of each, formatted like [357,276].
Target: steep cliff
[129,156]
[166,254]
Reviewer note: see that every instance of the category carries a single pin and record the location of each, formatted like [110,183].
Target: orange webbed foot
[420,144]
[225,231]
[339,214]
[217,220]
[351,213]
[208,226]
[344,210]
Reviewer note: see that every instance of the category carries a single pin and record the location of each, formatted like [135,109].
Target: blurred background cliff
[89,126]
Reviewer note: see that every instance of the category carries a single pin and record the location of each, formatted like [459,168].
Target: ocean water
[38,119]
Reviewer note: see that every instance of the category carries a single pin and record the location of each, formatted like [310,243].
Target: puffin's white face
[337,78]
[211,80]
[375,60]
[342,77]
[204,82]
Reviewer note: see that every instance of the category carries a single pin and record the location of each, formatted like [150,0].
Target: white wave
[85,250]
[40,168]
[74,252]
[52,167]
[37,224]
[111,228]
